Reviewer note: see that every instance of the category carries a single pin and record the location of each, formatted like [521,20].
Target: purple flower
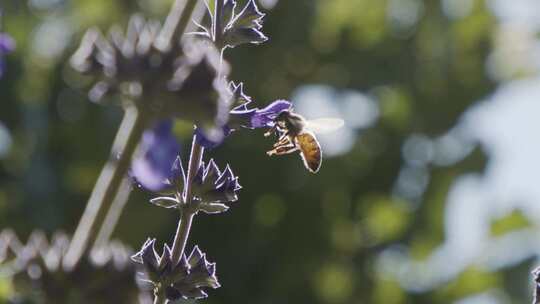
[245,117]
[155,169]
[7,44]
[263,118]
[185,280]
[242,116]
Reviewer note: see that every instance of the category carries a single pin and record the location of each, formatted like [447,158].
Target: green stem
[107,185]
[188,212]
[182,234]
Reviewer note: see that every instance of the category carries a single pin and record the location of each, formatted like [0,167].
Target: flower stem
[536,275]
[159,298]
[187,214]
[107,185]
[182,234]
[186,217]
[176,23]
[113,215]
[218,15]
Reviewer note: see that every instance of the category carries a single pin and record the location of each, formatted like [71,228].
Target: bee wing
[310,151]
[324,125]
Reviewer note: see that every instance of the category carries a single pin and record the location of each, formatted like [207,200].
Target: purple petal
[159,151]
[265,117]
[7,44]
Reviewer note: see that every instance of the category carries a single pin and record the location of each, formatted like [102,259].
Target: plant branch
[159,298]
[536,275]
[176,23]
[186,217]
[113,215]
[107,185]
[218,15]
[187,213]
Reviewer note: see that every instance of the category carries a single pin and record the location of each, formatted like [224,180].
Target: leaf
[213,208]
[165,202]
[249,17]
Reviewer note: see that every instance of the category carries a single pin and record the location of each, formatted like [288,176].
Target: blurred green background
[428,195]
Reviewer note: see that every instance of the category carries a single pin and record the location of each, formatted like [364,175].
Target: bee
[295,133]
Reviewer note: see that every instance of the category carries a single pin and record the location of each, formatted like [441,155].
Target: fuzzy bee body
[311,152]
[294,135]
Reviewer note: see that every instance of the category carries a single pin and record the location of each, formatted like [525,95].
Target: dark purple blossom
[155,169]
[185,280]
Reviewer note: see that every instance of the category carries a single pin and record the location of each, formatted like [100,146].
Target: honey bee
[295,133]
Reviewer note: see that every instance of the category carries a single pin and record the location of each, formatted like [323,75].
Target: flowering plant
[161,75]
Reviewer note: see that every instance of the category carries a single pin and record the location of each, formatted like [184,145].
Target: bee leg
[283,149]
[283,140]
[270,131]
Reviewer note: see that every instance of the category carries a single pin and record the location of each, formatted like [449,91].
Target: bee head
[283,115]
[288,120]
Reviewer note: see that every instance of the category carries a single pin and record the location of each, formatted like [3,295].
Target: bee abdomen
[310,151]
